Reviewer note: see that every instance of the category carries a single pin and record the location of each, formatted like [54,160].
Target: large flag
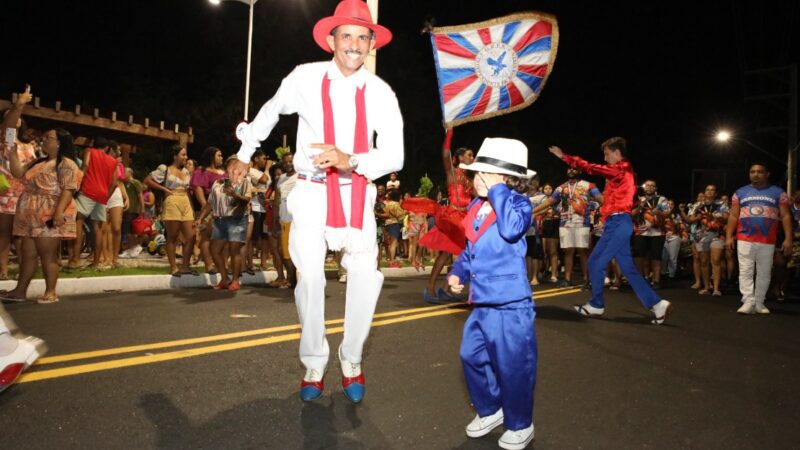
[494,67]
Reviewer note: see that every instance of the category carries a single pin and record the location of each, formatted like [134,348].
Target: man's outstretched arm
[251,134]
[583,165]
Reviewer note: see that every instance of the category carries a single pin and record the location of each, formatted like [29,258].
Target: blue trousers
[616,244]
[498,352]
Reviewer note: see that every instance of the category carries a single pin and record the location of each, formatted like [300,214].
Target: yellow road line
[221,337]
[547,291]
[179,354]
[556,294]
[406,316]
[204,339]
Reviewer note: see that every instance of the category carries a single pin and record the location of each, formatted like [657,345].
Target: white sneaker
[588,310]
[761,309]
[12,365]
[343,278]
[516,440]
[606,281]
[134,251]
[747,308]
[661,310]
[125,254]
[481,426]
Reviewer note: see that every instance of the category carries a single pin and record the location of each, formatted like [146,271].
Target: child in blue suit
[498,348]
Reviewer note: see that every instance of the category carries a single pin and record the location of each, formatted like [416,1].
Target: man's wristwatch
[353,161]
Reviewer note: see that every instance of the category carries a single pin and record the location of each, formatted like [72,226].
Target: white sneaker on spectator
[760,308]
[747,308]
[481,426]
[517,439]
[125,254]
[135,251]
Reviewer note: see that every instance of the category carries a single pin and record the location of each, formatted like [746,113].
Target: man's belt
[319,179]
[311,178]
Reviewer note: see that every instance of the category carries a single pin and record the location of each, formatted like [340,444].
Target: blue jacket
[494,260]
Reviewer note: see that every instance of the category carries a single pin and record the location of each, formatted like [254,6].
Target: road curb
[133,283]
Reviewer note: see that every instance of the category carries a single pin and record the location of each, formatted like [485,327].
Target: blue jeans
[230,228]
[616,244]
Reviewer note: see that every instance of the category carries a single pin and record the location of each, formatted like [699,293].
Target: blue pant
[616,244]
[498,352]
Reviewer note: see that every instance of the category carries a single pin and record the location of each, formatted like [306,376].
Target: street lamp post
[725,136]
[372,58]
[249,51]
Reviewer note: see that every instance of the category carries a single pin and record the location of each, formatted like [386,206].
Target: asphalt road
[708,379]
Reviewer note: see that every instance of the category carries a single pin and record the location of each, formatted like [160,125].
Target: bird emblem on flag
[493,67]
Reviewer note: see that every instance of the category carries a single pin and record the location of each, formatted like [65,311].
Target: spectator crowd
[85,205]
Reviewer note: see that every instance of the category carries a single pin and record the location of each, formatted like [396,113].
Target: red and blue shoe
[312,385]
[352,379]
[12,365]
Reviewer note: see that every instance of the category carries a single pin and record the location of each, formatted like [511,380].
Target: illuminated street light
[726,136]
[249,50]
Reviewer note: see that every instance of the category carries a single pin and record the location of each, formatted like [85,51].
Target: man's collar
[358,78]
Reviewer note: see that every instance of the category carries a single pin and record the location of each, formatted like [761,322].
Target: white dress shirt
[301,93]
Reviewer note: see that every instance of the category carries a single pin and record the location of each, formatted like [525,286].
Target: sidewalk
[129,283]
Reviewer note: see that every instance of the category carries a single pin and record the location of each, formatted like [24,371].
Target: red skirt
[448,235]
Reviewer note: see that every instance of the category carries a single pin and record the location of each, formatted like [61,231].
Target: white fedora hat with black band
[501,155]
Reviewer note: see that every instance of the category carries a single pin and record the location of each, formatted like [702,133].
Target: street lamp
[249,50]
[725,136]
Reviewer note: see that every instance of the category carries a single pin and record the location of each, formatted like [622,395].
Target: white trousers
[669,259]
[755,262]
[307,203]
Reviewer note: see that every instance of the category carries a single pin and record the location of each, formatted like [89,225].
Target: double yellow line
[332,327]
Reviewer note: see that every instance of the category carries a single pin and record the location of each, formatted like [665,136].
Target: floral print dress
[37,203]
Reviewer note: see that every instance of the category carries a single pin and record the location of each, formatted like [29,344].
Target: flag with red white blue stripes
[494,67]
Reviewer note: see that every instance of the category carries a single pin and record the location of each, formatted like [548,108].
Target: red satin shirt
[620,183]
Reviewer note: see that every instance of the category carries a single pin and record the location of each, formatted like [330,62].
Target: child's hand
[455,284]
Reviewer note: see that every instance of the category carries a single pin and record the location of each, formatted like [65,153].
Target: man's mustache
[355,52]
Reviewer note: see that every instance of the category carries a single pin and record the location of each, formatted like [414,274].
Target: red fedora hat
[350,12]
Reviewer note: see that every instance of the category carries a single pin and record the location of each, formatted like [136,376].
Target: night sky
[665,75]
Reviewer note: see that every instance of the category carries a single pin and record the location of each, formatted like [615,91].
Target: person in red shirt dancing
[448,237]
[616,241]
